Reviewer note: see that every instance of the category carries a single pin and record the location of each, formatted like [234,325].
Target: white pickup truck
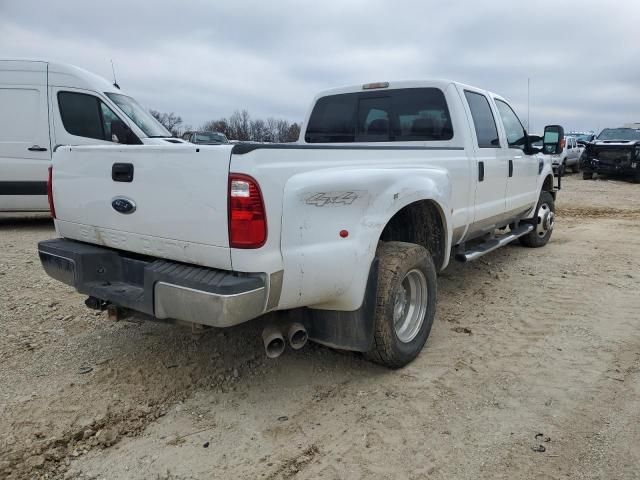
[345,229]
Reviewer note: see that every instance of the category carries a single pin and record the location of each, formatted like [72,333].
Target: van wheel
[543,222]
[587,175]
[576,167]
[406,303]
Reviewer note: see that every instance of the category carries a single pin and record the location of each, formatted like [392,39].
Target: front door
[522,169]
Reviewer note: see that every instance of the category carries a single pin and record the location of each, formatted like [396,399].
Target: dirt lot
[531,350]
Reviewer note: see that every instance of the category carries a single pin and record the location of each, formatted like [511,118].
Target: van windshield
[143,119]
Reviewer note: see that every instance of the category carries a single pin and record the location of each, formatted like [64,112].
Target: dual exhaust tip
[274,340]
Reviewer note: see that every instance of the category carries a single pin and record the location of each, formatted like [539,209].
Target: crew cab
[345,229]
[616,151]
[46,104]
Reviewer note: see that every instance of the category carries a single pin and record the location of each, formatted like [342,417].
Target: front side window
[85,115]
[138,115]
[483,120]
[401,115]
[516,137]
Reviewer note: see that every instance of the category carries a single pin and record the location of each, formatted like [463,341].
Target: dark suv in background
[205,138]
[616,151]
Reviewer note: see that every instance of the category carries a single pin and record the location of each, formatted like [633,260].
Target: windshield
[143,119]
[619,134]
[210,138]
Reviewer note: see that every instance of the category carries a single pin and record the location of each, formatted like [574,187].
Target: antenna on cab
[113,70]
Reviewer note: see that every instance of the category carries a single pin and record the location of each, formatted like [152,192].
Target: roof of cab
[67,75]
[437,83]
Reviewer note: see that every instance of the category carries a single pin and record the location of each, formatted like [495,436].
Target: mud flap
[346,330]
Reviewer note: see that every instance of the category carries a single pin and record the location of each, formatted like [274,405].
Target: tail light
[52,207]
[563,141]
[247,216]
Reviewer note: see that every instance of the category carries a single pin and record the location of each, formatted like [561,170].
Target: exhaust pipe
[297,336]
[273,341]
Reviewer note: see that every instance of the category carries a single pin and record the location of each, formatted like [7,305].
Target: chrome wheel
[546,219]
[410,305]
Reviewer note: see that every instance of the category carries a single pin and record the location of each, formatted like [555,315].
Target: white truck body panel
[180,194]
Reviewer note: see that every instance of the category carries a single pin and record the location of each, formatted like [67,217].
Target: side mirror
[529,149]
[553,140]
[121,133]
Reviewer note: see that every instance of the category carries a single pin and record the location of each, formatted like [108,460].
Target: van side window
[513,127]
[85,115]
[483,120]
[398,115]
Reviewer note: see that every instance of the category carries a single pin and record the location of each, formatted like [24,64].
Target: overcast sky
[204,59]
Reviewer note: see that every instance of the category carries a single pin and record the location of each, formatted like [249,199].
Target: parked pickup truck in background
[616,151]
[345,229]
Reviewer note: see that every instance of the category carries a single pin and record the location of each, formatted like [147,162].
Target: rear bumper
[161,288]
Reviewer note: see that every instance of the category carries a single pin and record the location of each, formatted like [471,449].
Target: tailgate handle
[122,172]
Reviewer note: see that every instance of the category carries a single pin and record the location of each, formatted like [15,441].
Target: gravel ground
[532,370]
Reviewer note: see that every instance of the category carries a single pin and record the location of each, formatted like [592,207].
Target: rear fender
[332,221]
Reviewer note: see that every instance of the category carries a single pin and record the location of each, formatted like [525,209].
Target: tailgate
[178,195]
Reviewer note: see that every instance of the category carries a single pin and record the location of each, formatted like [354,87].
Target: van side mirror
[121,133]
[553,139]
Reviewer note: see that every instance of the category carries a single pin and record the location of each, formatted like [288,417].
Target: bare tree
[239,124]
[241,127]
[170,121]
[221,126]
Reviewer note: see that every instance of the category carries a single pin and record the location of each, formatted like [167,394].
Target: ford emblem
[123,205]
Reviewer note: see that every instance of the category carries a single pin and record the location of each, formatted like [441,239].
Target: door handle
[480,171]
[37,148]
[122,172]
[510,168]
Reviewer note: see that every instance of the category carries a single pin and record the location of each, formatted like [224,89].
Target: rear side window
[85,115]
[483,120]
[410,114]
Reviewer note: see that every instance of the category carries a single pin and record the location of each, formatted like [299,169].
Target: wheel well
[421,223]
[548,184]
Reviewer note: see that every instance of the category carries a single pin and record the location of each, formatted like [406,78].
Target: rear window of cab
[399,115]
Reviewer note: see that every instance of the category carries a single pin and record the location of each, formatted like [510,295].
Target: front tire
[543,222]
[575,168]
[406,303]
[587,175]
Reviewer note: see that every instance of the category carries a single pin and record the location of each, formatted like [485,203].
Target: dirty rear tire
[396,259]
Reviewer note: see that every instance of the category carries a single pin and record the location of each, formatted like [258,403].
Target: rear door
[522,169]
[176,197]
[491,170]
[25,147]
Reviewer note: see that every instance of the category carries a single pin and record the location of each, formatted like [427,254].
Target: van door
[25,148]
[522,176]
[491,170]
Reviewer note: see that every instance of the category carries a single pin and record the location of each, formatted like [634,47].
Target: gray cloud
[203,60]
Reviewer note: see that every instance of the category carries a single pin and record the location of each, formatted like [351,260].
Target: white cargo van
[44,105]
